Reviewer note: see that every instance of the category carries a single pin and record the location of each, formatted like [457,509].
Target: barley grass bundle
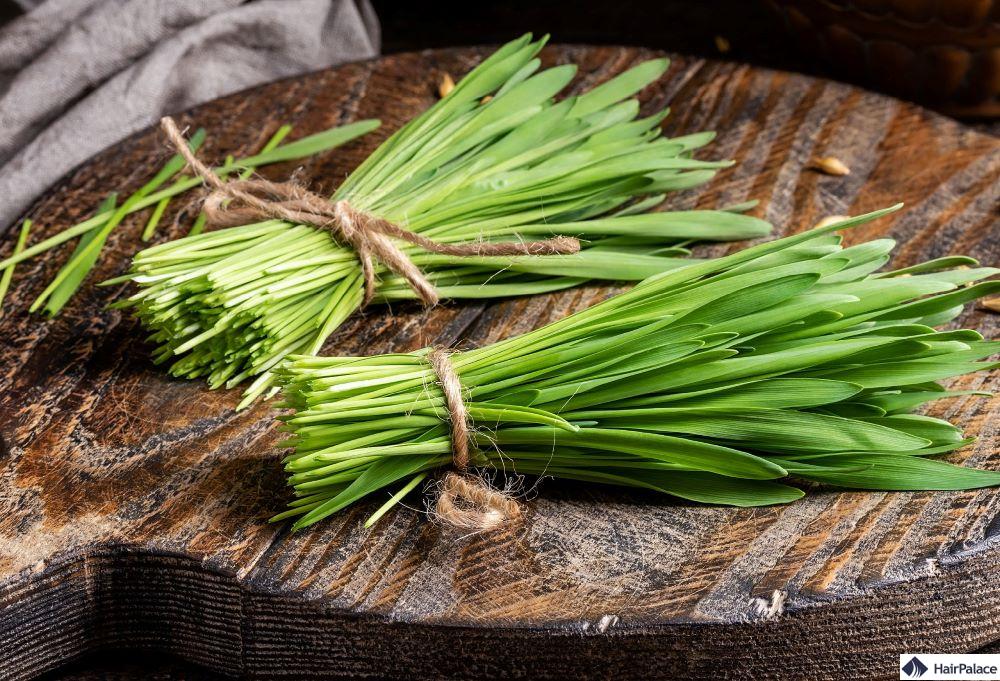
[156,194]
[710,382]
[497,159]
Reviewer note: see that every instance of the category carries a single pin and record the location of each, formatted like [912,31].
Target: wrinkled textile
[79,75]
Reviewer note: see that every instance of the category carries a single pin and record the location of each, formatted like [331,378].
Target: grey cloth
[79,75]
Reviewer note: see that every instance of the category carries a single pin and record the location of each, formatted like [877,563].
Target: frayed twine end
[469,502]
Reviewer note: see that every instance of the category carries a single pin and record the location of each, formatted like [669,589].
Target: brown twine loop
[241,202]
[466,501]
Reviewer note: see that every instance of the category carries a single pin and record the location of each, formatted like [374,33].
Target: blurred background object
[79,75]
[941,53]
[944,53]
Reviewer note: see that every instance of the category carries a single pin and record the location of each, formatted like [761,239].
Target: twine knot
[465,501]
[241,202]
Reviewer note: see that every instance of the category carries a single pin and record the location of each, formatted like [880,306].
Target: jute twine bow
[465,501]
[241,202]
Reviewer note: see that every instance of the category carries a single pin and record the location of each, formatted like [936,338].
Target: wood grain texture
[133,507]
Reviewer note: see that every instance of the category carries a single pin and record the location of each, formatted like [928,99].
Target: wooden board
[133,506]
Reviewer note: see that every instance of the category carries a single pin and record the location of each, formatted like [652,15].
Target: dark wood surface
[133,507]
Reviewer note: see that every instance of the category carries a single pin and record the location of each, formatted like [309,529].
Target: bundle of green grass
[157,193]
[498,158]
[712,382]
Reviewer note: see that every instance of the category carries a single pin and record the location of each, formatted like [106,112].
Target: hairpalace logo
[914,669]
[933,667]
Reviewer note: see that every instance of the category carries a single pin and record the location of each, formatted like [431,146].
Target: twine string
[241,202]
[466,501]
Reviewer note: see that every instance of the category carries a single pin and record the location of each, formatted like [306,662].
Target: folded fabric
[79,75]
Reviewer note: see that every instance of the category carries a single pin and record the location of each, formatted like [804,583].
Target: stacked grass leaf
[157,193]
[710,382]
[496,159]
